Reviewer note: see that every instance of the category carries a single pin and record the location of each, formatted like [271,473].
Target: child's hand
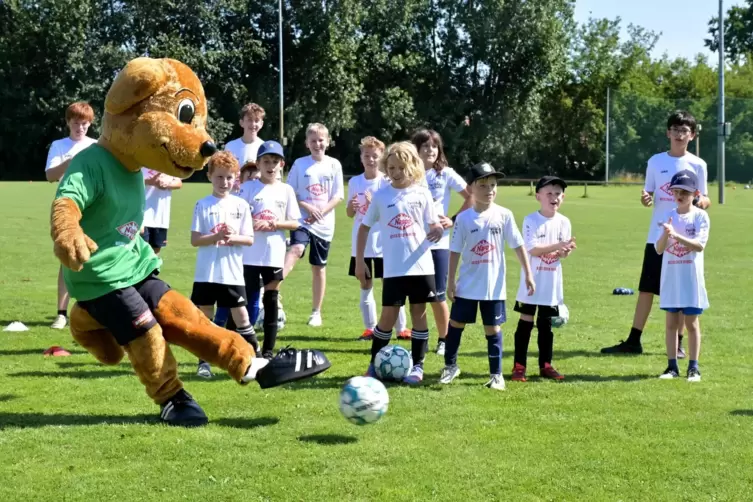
[450,292]
[669,230]
[264,226]
[530,285]
[646,199]
[445,222]
[354,204]
[314,215]
[162,182]
[435,232]
[361,270]
[367,194]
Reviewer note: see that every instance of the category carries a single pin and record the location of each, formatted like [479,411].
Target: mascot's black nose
[208,149]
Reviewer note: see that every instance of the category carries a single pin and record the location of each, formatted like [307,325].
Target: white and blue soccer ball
[562,318]
[281,318]
[363,400]
[393,362]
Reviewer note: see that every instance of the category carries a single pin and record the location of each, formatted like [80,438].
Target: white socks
[257,363]
[368,308]
[401,320]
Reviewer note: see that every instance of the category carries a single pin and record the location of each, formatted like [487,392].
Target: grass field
[72,429]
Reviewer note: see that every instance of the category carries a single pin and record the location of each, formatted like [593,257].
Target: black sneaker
[623,348]
[694,375]
[181,410]
[290,365]
[669,374]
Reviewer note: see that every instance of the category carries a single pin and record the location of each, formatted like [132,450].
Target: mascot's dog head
[155,116]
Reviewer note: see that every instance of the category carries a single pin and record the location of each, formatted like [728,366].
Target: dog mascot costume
[155,116]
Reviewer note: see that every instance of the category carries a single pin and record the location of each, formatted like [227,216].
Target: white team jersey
[682,280]
[480,239]
[538,230]
[402,216]
[219,263]
[156,202]
[440,184]
[317,183]
[661,168]
[358,186]
[64,149]
[244,152]
[274,202]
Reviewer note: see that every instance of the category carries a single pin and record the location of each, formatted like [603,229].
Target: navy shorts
[492,311]
[650,271]
[416,288]
[205,294]
[319,247]
[374,267]
[684,310]
[155,237]
[441,259]
[127,312]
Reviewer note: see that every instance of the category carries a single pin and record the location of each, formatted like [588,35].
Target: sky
[683,24]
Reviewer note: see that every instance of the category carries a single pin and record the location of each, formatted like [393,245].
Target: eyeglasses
[680,131]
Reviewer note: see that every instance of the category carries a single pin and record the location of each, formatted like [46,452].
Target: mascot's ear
[140,78]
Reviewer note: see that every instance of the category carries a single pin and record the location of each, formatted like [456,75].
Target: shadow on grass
[328,439]
[742,413]
[7,397]
[245,423]
[33,420]
[188,376]
[35,352]
[533,378]
[561,354]
[282,338]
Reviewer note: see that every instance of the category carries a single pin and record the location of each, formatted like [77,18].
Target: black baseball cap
[551,180]
[685,180]
[482,170]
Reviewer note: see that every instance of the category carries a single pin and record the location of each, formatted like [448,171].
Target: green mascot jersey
[111,200]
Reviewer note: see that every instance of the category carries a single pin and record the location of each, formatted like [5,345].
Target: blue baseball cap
[685,180]
[270,148]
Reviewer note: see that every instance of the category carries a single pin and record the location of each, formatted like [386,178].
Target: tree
[738,32]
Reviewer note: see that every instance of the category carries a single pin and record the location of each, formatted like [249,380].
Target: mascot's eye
[186,111]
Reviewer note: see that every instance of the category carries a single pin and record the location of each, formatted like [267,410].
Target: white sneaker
[315,319]
[496,382]
[204,371]
[449,373]
[440,347]
[60,322]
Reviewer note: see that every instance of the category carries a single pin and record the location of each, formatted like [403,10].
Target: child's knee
[526,317]
[296,250]
[461,325]
[491,330]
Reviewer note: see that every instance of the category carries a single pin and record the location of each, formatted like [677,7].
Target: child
[274,209]
[403,210]
[78,118]
[683,287]
[361,189]
[158,189]
[246,147]
[681,128]
[318,184]
[221,227]
[479,238]
[548,238]
[440,179]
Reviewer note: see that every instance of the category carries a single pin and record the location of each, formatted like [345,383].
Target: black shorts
[127,312]
[319,247]
[441,259]
[530,309]
[416,288]
[205,294]
[651,271]
[374,267]
[155,237]
[492,311]
[258,276]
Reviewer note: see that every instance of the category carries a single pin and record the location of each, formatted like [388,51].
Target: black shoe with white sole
[290,365]
[183,411]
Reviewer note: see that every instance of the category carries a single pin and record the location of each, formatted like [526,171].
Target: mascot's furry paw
[71,245]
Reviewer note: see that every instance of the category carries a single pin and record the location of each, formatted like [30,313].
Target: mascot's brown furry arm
[155,116]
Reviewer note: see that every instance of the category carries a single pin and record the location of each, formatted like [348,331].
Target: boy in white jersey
[318,183]
[681,128]
[361,189]
[251,121]
[221,228]
[685,232]
[548,238]
[274,209]
[158,189]
[441,181]
[78,118]
[403,211]
[479,239]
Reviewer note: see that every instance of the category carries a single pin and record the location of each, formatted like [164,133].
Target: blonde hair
[371,142]
[407,154]
[223,160]
[318,128]
[254,111]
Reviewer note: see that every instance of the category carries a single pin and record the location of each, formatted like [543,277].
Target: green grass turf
[73,429]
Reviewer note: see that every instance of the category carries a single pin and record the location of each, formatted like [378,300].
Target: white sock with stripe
[368,308]
[402,320]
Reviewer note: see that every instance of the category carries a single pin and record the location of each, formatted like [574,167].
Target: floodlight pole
[282,109]
[722,125]
[606,165]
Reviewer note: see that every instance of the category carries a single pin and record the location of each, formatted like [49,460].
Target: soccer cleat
[623,348]
[440,347]
[519,373]
[404,335]
[449,373]
[415,376]
[204,371]
[371,372]
[290,365]
[694,375]
[183,411]
[367,335]
[548,371]
[680,352]
[60,322]
[496,382]
[315,319]
[669,374]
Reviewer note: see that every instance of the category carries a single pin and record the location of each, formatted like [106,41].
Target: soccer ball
[281,318]
[561,320]
[393,362]
[363,400]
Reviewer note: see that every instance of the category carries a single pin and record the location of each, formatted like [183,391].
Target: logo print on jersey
[483,247]
[550,258]
[665,188]
[129,229]
[678,250]
[401,221]
[265,215]
[316,189]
